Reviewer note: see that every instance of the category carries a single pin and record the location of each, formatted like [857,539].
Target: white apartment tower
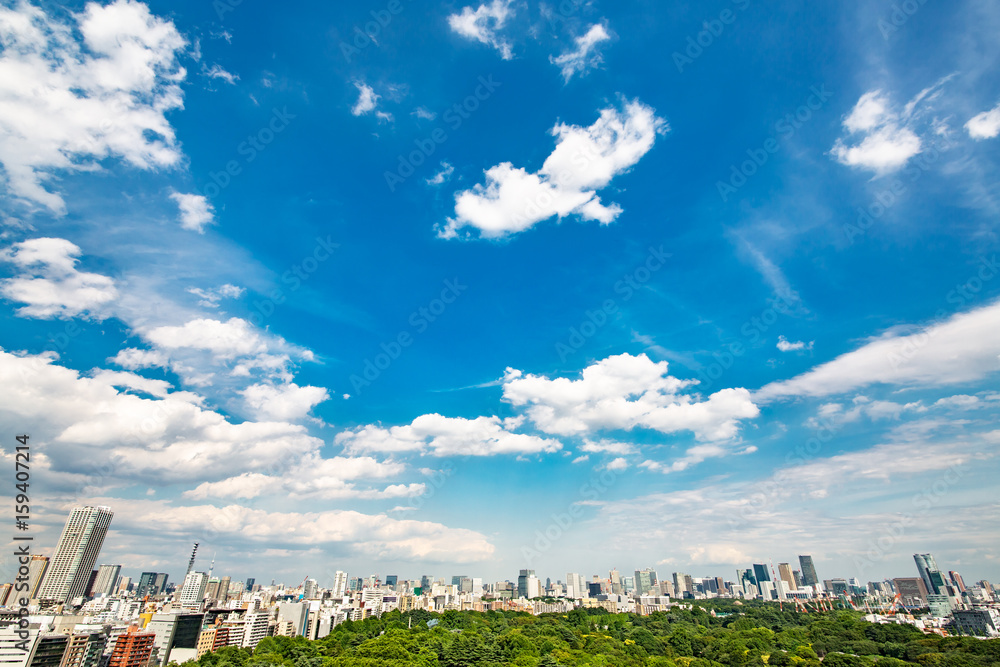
[80,542]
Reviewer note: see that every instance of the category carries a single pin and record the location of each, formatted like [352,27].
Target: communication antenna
[191,562]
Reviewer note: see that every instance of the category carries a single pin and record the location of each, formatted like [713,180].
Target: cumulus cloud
[585,56]
[963,348]
[197,347]
[51,285]
[367,99]
[886,142]
[585,160]
[315,477]
[985,125]
[373,536]
[447,436]
[67,104]
[196,211]
[626,392]
[484,23]
[285,402]
[90,423]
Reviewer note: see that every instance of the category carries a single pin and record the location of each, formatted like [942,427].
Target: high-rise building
[146,583]
[76,554]
[175,631]
[426,581]
[760,573]
[250,582]
[797,576]
[160,583]
[36,572]
[391,580]
[88,590]
[339,584]
[680,584]
[809,577]
[956,579]
[785,574]
[107,577]
[522,583]
[928,569]
[912,590]
[224,585]
[193,591]
[645,581]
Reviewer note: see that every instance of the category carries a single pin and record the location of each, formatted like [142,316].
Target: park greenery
[719,634]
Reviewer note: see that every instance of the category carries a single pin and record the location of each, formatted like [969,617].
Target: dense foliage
[751,635]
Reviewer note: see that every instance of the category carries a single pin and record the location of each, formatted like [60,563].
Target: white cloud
[625,392]
[961,402]
[887,142]
[367,99]
[196,211]
[191,350]
[447,436]
[443,175]
[483,23]
[617,464]
[375,536]
[284,402]
[314,477]
[985,125]
[210,298]
[584,160]
[50,283]
[90,424]
[424,113]
[607,447]
[585,56]
[217,72]
[67,105]
[786,345]
[963,348]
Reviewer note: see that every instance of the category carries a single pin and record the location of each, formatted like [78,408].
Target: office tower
[576,587]
[797,576]
[160,583]
[250,582]
[426,581]
[339,583]
[124,583]
[193,590]
[132,648]
[933,579]
[224,585]
[107,577]
[645,580]
[912,590]
[75,554]
[36,572]
[809,577]
[785,574]
[616,582]
[392,580]
[145,586]
[680,584]
[522,583]
[212,589]
[956,579]
[761,573]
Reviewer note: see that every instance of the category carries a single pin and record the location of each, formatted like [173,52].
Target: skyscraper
[193,591]
[36,571]
[809,577]
[76,553]
[785,572]
[107,577]
[928,569]
[522,582]
[760,573]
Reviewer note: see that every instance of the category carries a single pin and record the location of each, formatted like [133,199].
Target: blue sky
[515,284]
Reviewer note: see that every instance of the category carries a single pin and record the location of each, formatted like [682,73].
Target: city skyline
[477,287]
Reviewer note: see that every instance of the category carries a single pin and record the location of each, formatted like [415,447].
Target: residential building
[75,554]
